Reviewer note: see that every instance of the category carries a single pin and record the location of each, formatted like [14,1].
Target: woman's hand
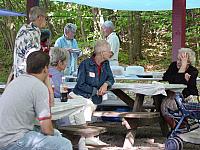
[187,76]
[184,59]
[102,89]
[183,62]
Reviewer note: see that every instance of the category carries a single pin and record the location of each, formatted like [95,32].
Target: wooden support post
[178,26]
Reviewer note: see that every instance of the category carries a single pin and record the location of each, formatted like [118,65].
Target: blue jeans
[37,141]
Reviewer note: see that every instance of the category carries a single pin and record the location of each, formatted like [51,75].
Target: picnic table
[130,120]
[157,91]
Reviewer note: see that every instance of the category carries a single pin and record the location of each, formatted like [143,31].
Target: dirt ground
[147,138]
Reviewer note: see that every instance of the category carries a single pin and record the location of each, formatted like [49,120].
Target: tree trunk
[82,24]
[8,29]
[132,53]
[137,34]
[96,29]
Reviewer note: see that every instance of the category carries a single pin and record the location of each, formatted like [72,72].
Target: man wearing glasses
[28,38]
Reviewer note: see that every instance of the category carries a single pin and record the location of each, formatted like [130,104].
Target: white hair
[190,53]
[70,27]
[101,45]
[108,24]
[35,12]
[57,54]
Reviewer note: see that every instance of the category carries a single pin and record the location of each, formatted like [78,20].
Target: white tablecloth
[143,88]
[63,109]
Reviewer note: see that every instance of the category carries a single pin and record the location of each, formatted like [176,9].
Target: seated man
[24,100]
[180,72]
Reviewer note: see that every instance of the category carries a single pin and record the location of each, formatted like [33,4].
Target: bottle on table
[63,91]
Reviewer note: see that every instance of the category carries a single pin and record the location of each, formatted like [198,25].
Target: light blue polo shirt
[62,42]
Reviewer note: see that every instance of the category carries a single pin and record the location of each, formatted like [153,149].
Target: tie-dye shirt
[27,39]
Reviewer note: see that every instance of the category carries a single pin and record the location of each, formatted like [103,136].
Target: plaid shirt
[28,37]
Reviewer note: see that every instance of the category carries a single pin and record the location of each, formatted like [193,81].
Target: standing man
[113,40]
[28,38]
[27,41]
[69,42]
[24,100]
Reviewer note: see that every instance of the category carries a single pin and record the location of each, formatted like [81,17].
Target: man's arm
[47,127]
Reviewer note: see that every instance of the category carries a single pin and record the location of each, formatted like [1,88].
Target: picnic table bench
[131,120]
[75,132]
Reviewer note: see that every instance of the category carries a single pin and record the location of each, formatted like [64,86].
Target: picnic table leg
[130,135]
[164,127]
[124,97]
[139,99]
[130,126]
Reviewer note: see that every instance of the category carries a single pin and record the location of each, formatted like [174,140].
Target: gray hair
[108,24]
[57,54]
[35,12]
[190,53]
[101,45]
[70,27]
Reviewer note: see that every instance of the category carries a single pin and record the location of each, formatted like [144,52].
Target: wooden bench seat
[86,131]
[136,115]
[75,132]
[131,120]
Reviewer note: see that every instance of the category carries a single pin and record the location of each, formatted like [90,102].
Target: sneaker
[81,144]
[95,141]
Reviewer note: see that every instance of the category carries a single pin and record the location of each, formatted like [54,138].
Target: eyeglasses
[46,17]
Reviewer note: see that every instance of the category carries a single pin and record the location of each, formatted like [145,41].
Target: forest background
[145,37]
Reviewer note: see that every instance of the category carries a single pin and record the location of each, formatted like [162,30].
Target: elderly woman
[69,42]
[180,72]
[58,59]
[58,62]
[94,79]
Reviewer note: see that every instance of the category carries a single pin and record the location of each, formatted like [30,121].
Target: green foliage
[123,57]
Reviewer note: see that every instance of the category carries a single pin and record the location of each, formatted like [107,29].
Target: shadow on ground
[147,138]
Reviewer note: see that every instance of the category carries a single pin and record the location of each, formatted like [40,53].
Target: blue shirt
[62,42]
[57,80]
[88,80]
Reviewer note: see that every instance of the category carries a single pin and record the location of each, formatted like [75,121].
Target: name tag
[92,74]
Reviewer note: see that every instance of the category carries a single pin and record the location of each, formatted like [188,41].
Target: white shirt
[113,40]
